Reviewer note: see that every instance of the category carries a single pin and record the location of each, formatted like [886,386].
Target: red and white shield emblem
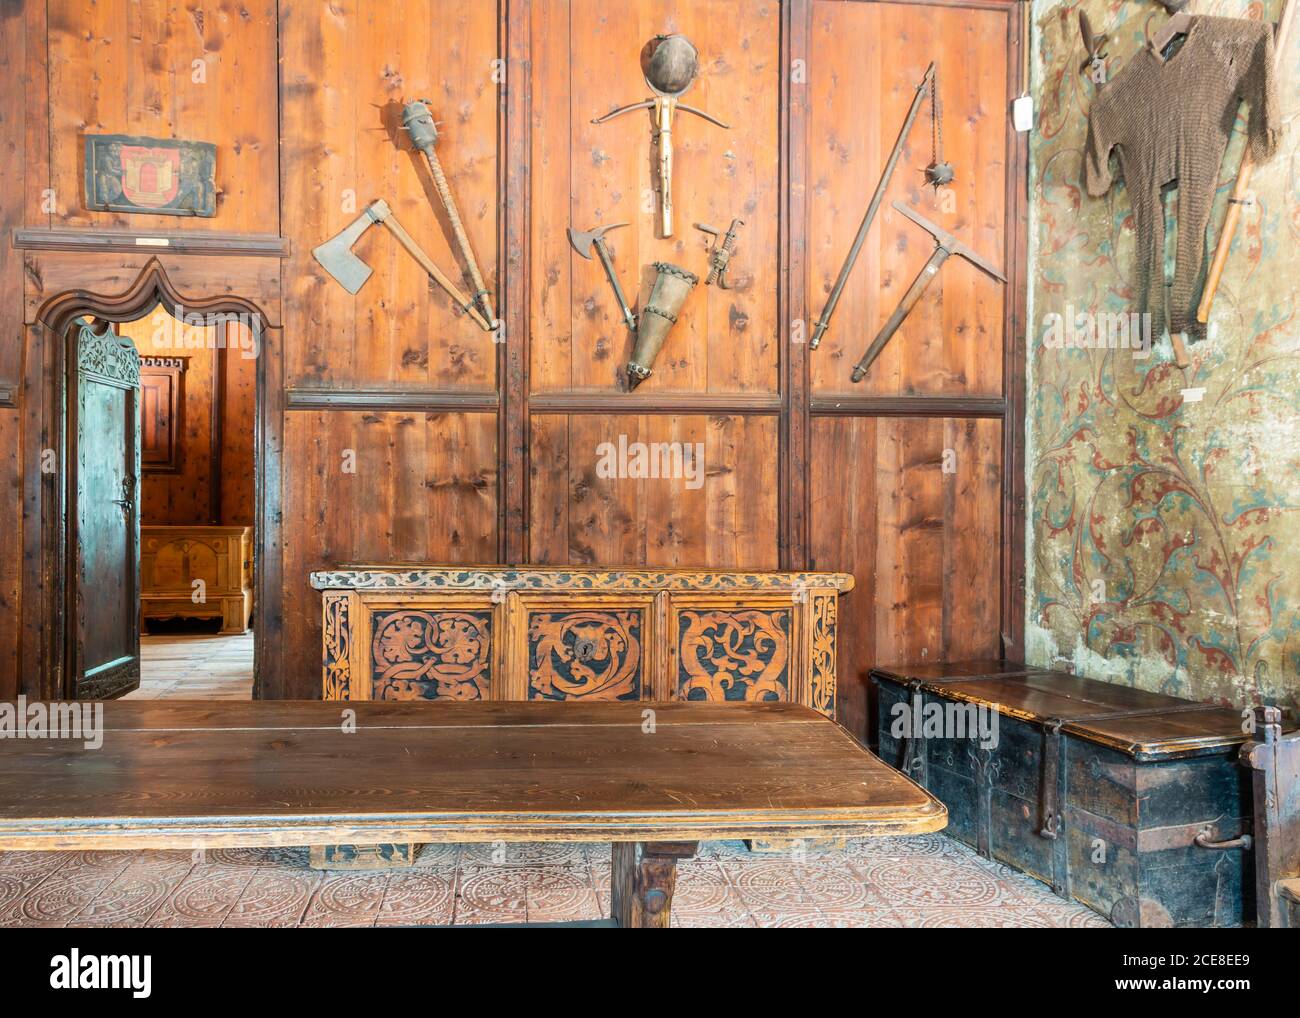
[150,176]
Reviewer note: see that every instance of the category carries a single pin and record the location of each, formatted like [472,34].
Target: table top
[189,774]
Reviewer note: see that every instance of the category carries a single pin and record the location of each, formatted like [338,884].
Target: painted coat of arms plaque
[151,175]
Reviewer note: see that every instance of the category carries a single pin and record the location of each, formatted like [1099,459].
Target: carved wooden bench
[536,633]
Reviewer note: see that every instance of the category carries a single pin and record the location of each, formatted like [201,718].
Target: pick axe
[945,244]
[583,242]
[351,273]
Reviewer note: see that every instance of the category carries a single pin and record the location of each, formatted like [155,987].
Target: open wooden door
[104,571]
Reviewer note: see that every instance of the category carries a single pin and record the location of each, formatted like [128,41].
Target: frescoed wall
[1164,504]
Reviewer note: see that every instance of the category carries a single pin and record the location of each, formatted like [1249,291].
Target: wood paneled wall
[394,429]
[922,436]
[952,343]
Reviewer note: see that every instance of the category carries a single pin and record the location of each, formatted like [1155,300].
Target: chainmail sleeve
[1258,89]
[1096,157]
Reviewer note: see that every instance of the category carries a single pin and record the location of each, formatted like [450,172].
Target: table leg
[642,878]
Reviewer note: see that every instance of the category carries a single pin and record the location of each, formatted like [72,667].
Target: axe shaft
[602,252]
[417,252]
[1240,191]
[919,284]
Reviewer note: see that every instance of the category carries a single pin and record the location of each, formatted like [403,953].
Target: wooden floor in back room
[195,667]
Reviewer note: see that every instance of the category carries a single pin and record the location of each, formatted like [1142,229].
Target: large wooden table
[653,778]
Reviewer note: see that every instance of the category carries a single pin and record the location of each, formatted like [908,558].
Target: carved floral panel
[825,608]
[734,654]
[441,654]
[585,654]
[337,646]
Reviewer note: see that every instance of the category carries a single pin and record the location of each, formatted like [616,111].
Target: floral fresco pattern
[1164,532]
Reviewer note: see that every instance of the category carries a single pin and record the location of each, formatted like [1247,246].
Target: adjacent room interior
[197,411]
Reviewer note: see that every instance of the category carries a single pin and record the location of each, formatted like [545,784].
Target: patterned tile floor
[890,882]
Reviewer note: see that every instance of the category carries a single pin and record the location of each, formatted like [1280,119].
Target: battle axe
[945,244]
[336,257]
[583,242]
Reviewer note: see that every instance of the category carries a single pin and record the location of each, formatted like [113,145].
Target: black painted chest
[1130,802]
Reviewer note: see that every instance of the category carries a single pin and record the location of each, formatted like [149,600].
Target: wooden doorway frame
[43,661]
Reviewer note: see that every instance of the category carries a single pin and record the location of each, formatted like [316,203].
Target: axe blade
[349,271]
[336,257]
[580,241]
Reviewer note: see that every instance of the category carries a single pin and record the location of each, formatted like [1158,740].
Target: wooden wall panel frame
[42,661]
[792,300]
[514,254]
[1015,351]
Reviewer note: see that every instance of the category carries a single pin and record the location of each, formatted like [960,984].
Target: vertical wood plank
[741,471]
[319,132]
[14,169]
[548,463]
[551,256]
[1015,297]
[10,554]
[237,440]
[843,535]
[972,517]
[513,374]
